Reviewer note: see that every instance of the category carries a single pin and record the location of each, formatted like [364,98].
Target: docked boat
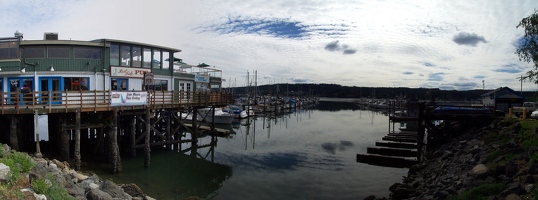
[219,117]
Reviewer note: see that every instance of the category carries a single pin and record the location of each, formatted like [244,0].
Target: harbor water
[307,154]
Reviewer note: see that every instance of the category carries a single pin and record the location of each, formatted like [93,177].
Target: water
[309,154]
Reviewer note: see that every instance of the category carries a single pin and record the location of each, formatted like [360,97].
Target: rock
[371,197]
[533,169]
[96,194]
[479,171]
[402,193]
[512,197]
[114,190]
[514,188]
[528,188]
[4,171]
[133,190]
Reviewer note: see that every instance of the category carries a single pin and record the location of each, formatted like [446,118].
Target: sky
[451,45]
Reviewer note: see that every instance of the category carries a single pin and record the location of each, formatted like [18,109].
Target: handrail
[94,100]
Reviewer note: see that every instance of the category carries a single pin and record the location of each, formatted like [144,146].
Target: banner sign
[201,78]
[128,72]
[128,98]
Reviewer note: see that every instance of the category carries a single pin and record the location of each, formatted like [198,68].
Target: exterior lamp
[23,70]
[51,68]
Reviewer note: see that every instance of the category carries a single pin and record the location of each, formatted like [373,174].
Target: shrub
[481,192]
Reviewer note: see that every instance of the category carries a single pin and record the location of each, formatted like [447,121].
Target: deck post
[13,139]
[132,130]
[147,149]
[36,130]
[64,140]
[77,140]
[113,133]
[421,131]
[168,133]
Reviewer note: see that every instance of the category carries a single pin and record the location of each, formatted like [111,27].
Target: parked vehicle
[528,106]
[534,114]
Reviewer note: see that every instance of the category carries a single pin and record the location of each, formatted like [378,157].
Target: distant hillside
[338,91]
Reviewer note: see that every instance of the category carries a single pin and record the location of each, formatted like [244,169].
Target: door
[25,85]
[51,88]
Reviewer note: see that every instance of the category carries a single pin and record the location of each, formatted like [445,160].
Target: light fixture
[51,68]
[23,70]
[0,69]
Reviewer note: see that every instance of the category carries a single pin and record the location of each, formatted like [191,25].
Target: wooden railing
[100,100]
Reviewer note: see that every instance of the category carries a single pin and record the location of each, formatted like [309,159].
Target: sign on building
[128,98]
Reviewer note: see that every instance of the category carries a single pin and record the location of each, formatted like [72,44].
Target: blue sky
[453,45]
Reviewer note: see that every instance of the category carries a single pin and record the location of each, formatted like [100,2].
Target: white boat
[220,116]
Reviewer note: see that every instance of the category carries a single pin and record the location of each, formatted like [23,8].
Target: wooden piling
[77,140]
[168,122]
[113,137]
[132,134]
[147,149]
[13,139]
[64,141]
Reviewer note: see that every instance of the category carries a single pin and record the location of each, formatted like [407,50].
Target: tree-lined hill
[339,91]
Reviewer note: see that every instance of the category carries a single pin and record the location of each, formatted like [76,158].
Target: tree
[528,46]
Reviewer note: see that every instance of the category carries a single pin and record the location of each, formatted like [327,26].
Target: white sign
[201,78]
[128,72]
[128,98]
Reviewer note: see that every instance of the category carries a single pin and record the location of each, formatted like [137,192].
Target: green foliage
[40,186]
[481,192]
[528,46]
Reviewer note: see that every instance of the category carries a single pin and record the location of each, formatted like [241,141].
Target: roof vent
[50,36]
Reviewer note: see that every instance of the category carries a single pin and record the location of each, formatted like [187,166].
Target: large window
[161,85]
[146,58]
[166,60]
[115,54]
[119,84]
[33,52]
[125,55]
[76,83]
[8,50]
[87,52]
[58,52]
[157,59]
[137,56]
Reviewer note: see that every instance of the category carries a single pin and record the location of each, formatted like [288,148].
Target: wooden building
[110,90]
[502,98]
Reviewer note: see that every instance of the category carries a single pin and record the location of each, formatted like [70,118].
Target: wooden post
[36,130]
[147,149]
[113,137]
[77,140]
[168,129]
[13,139]
[133,135]
[64,141]
[421,132]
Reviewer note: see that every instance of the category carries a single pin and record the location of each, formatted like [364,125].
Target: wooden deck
[95,101]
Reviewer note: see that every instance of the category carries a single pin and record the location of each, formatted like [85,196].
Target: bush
[481,192]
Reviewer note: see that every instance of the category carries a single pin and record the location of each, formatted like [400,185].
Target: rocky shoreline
[474,162]
[77,184]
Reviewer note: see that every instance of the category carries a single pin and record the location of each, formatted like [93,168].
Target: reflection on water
[307,154]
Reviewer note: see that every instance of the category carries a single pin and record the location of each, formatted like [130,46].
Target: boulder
[479,171]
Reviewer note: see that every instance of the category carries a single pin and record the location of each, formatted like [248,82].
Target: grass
[480,192]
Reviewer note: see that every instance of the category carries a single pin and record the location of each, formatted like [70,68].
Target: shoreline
[475,160]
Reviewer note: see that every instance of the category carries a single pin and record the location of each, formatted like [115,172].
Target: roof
[503,92]
[138,43]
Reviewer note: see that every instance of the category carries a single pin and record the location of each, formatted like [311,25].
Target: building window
[115,54]
[137,56]
[8,50]
[161,85]
[125,55]
[188,86]
[166,60]
[76,83]
[146,57]
[119,84]
[58,52]
[33,52]
[157,59]
[87,53]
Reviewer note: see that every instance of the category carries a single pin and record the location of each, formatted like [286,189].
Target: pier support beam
[113,137]
[77,140]
[132,135]
[64,141]
[13,139]
[147,149]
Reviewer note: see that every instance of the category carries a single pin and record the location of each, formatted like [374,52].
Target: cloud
[470,39]
[298,80]
[408,73]
[335,46]
[436,76]
[510,68]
